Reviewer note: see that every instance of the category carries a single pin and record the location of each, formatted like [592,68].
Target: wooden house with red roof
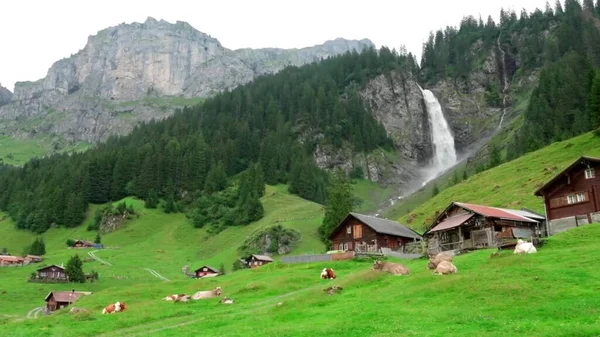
[572,197]
[468,226]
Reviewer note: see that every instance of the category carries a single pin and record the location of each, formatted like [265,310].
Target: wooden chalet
[572,197]
[9,260]
[206,271]
[32,259]
[362,233]
[468,226]
[255,260]
[52,273]
[83,244]
[56,300]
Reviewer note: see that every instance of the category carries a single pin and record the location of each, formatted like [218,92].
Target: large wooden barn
[52,273]
[362,233]
[468,226]
[56,300]
[572,197]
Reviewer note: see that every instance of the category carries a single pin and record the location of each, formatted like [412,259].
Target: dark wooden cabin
[83,244]
[468,226]
[255,260]
[362,233]
[572,197]
[52,273]
[33,259]
[56,300]
[206,271]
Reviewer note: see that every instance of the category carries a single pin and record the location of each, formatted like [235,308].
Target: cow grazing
[112,308]
[523,247]
[434,261]
[328,274]
[390,267]
[444,268]
[207,294]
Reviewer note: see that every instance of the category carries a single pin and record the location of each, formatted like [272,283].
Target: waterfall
[444,153]
[505,80]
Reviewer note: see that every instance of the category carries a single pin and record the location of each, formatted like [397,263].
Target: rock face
[5,95]
[120,66]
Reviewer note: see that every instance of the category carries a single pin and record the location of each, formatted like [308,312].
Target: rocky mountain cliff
[124,72]
[5,95]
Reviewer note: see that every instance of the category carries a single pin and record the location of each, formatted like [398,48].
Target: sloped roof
[53,265]
[64,296]
[262,257]
[385,226]
[11,258]
[527,214]
[494,212]
[579,160]
[214,270]
[452,222]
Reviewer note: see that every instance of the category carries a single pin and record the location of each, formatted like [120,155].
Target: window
[571,199]
[580,197]
[357,231]
[43,274]
[467,235]
[497,228]
[590,173]
[348,230]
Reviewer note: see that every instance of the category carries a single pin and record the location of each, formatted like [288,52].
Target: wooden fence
[317,257]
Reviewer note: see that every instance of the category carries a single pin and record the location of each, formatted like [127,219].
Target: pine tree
[222,269]
[465,175]
[339,204]
[495,157]
[435,190]
[216,179]
[593,105]
[152,199]
[74,269]
[38,247]
[98,239]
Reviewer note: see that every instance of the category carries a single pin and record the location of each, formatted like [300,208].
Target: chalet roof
[495,212]
[384,226]
[84,242]
[262,257]
[214,270]
[64,296]
[528,214]
[452,222]
[11,258]
[53,265]
[580,160]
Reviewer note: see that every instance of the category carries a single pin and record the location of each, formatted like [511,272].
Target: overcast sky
[36,33]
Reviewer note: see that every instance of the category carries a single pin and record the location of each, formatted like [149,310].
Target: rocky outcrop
[5,95]
[121,68]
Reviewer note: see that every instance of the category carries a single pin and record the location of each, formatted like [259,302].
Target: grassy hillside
[511,184]
[552,293]
[162,242]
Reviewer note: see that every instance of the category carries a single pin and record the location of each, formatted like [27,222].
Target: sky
[36,33]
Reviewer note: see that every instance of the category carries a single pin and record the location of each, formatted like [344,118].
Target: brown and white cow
[328,274]
[207,294]
[178,298]
[112,308]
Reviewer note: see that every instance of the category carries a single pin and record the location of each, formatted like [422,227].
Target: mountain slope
[511,184]
[97,91]
[488,296]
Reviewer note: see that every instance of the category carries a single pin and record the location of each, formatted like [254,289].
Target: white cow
[523,247]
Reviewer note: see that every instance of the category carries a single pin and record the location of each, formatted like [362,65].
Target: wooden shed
[206,271]
[255,260]
[468,226]
[8,260]
[83,244]
[52,273]
[32,259]
[56,300]
[363,233]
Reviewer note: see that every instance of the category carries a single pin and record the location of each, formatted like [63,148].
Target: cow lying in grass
[444,268]
[112,308]
[433,262]
[523,247]
[328,274]
[178,298]
[207,294]
[390,267]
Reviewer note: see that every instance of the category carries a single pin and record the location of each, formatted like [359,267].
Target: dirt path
[33,313]
[156,274]
[160,325]
[92,255]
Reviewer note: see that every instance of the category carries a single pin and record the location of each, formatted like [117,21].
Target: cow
[112,308]
[524,247]
[207,293]
[226,300]
[177,298]
[433,262]
[328,274]
[445,267]
[390,267]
